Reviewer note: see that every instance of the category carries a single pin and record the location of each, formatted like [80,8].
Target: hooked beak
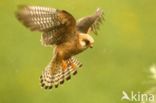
[91,45]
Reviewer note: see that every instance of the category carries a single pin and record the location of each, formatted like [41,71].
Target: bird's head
[86,40]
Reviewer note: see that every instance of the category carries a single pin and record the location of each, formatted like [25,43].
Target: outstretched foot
[64,65]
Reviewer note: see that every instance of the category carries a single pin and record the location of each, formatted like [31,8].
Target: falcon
[68,37]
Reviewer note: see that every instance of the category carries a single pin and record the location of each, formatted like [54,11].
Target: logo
[137,96]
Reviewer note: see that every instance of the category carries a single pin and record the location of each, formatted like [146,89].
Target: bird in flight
[68,37]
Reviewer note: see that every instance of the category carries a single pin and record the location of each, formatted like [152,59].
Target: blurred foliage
[123,52]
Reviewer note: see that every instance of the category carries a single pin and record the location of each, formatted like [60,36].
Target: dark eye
[87,42]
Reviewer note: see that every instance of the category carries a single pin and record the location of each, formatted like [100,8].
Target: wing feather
[90,23]
[50,21]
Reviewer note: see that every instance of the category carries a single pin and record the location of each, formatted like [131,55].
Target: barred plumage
[38,18]
[50,21]
[60,29]
[48,81]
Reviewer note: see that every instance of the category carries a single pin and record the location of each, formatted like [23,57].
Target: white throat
[83,37]
[82,43]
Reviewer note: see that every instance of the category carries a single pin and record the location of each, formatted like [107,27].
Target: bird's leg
[64,65]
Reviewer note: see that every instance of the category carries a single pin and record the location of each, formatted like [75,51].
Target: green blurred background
[123,52]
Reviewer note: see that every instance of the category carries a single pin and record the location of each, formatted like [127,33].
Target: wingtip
[99,10]
[100,13]
[18,12]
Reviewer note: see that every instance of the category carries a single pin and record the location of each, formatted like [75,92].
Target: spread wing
[55,24]
[90,23]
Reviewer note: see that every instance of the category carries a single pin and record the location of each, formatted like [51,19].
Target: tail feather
[49,80]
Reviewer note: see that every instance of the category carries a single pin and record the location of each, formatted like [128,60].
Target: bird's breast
[70,48]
